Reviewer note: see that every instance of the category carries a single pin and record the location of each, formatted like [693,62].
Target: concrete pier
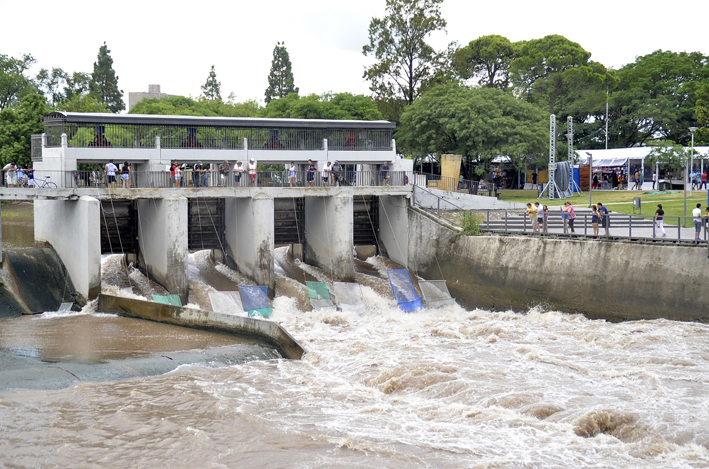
[72,227]
[162,236]
[394,228]
[249,237]
[329,234]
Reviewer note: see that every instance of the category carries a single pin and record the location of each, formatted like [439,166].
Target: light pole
[686,171]
[590,179]
[691,156]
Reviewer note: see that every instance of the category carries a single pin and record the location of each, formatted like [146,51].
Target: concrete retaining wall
[394,228]
[73,229]
[262,330]
[601,279]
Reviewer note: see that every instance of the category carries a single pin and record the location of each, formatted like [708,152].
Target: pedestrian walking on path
[658,220]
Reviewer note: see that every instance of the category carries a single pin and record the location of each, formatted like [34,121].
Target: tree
[405,61]
[487,59]
[13,82]
[478,123]
[657,98]
[212,88]
[555,73]
[17,124]
[702,136]
[82,103]
[50,83]
[668,152]
[180,105]
[104,82]
[325,106]
[280,79]
[78,84]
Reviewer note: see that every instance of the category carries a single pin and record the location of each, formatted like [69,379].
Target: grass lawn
[621,201]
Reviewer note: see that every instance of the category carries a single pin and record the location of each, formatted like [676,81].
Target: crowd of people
[539,216]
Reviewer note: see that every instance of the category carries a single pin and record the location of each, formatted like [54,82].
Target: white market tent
[621,156]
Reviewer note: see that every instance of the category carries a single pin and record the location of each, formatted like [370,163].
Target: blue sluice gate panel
[404,290]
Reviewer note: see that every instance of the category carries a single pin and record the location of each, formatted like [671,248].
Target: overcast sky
[174,44]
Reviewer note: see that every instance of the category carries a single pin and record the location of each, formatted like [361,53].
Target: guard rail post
[505,221]
[679,229]
[488,219]
[585,224]
[630,226]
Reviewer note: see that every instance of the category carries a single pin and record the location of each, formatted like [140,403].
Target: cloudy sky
[174,44]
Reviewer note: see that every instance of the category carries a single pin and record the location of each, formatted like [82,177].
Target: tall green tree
[702,137]
[104,82]
[13,81]
[52,84]
[280,78]
[669,153]
[656,98]
[404,60]
[477,123]
[77,85]
[487,60]
[556,73]
[212,88]
[180,105]
[17,124]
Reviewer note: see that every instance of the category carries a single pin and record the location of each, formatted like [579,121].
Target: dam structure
[159,219]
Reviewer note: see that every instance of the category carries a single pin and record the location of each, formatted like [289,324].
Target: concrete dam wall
[600,279]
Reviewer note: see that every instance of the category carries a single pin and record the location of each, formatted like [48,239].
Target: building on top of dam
[151,142]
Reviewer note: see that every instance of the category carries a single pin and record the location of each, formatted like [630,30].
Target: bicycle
[44,183]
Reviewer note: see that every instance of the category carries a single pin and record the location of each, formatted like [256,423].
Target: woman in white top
[238,171]
[291,174]
[252,172]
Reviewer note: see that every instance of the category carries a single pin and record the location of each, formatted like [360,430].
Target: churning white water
[438,388]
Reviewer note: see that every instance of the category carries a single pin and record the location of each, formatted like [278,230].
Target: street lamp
[686,171]
[590,179]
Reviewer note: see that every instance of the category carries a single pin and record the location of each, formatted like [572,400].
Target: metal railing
[619,226]
[208,178]
[213,137]
[443,209]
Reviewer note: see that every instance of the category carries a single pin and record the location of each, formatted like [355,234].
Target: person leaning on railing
[224,170]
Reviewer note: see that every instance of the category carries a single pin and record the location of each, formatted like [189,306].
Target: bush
[471,224]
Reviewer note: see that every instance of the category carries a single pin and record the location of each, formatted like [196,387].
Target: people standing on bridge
[659,214]
[178,176]
[327,169]
[197,174]
[30,177]
[291,174]
[111,174]
[10,174]
[311,173]
[570,215]
[125,176]
[252,172]
[697,215]
[238,171]
[384,174]
[224,169]
[336,171]
[605,218]
[533,216]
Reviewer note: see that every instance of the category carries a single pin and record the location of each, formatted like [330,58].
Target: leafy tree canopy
[325,106]
[280,79]
[404,60]
[657,98]
[13,82]
[478,123]
[180,105]
[702,136]
[668,152]
[212,88]
[104,82]
[552,70]
[17,124]
[486,60]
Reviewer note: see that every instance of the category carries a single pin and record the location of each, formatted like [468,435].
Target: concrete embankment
[260,330]
[33,280]
[598,278]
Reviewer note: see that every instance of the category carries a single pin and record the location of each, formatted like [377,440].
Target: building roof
[620,156]
[200,121]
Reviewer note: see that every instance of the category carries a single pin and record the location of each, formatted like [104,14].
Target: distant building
[153,92]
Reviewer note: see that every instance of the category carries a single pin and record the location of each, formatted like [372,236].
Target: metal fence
[208,137]
[205,178]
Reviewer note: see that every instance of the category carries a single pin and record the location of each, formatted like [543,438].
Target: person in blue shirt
[384,174]
[605,218]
